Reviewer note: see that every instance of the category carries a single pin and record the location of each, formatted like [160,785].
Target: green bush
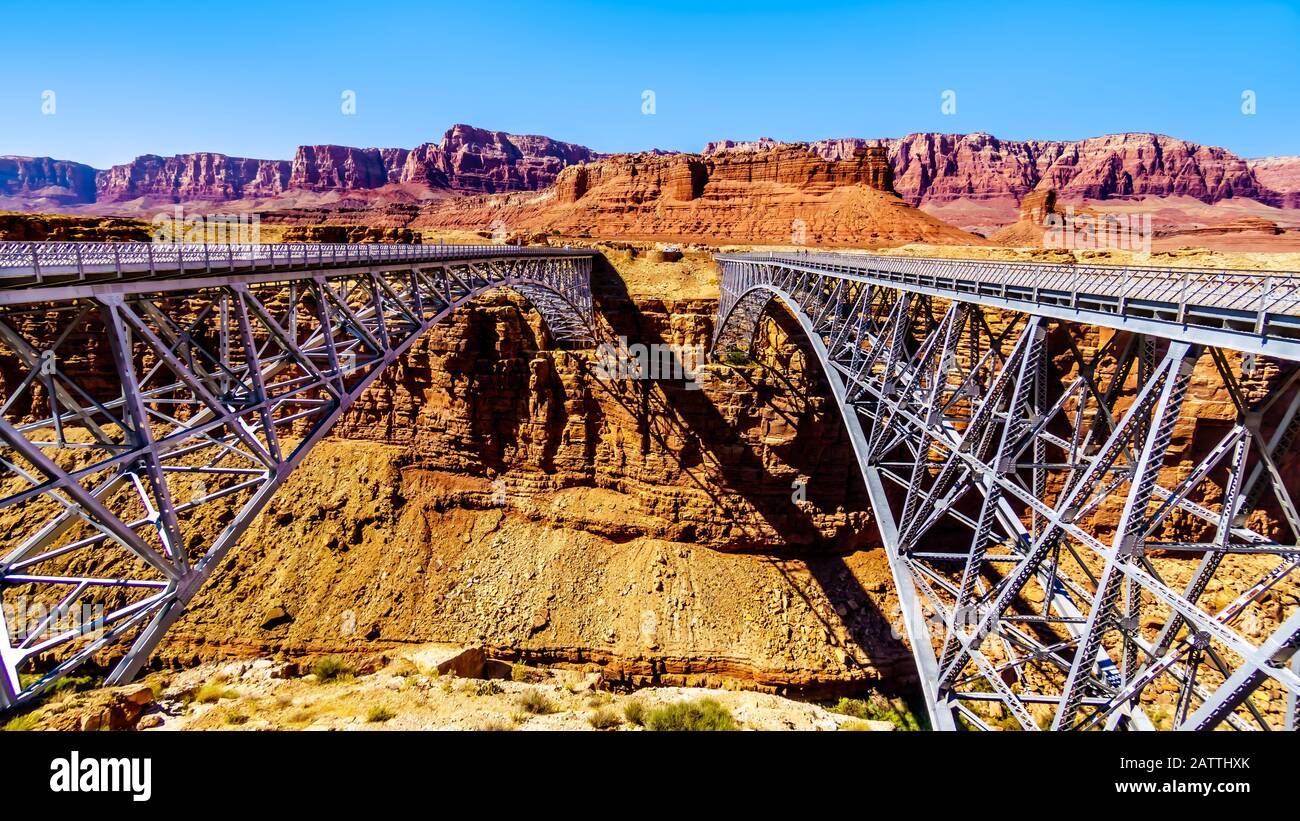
[855,725]
[878,708]
[332,668]
[214,691]
[488,688]
[236,718]
[536,703]
[22,723]
[379,714]
[737,358]
[604,719]
[634,712]
[691,716]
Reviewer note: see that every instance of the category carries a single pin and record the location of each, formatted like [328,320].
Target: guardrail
[1255,292]
[39,259]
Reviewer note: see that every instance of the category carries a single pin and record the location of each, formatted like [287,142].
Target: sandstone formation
[931,167]
[348,234]
[467,159]
[191,177]
[649,529]
[475,160]
[63,228]
[340,168]
[1280,174]
[781,195]
[45,181]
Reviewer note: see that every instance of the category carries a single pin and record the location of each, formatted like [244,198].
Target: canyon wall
[923,168]
[46,181]
[467,159]
[192,177]
[784,195]
[1280,174]
[930,167]
[490,489]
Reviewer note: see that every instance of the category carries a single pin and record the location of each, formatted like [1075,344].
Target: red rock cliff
[191,177]
[57,181]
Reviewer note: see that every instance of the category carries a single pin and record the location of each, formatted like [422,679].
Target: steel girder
[1080,534]
[149,409]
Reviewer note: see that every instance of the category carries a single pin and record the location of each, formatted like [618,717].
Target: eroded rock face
[476,160]
[786,195]
[340,168]
[930,167]
[1281,174]
[42,178]
[192,177]
[490,490]
[467,159]
[1121,165]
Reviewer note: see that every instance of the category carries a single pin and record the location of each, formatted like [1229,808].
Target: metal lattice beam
[145,387]
[1059,563]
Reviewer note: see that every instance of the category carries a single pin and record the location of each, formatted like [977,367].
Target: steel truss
[1063,558]
[147,402]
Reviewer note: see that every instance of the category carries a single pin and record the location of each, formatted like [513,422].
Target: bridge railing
[40,259]
[1255,292]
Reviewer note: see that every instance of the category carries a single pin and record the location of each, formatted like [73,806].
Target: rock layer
[191,178]
[931,167]
[467,159]
[783,195]
[57,182]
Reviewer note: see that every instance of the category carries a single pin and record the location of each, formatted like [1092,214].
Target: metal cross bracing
[1086,494]
[155,397]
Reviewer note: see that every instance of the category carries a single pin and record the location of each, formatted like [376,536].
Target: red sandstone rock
[475,160]
[784,195]
[192,177]
[930,167]
[1280,174]
[467,159]
[55,181]
[340,168]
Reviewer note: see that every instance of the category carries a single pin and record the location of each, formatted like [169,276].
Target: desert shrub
[878,708]
[737,358]
[525,674]
[855,725]
[22,723]
[488,688]
[236,718]
[604,719]
[214,691]
[634,712]
[332,668]
[691,716]
[536,703]
[379,714]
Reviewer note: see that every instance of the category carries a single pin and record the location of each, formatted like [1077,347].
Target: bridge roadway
[1062,557]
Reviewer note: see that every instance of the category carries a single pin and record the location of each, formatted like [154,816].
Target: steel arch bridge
[1063,557]
[151,390]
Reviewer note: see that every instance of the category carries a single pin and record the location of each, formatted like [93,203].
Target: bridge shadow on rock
[791,488]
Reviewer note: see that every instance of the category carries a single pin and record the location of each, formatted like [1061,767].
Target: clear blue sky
[258,79]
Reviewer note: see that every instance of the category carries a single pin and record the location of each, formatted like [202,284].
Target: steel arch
[966,421]
[145,396]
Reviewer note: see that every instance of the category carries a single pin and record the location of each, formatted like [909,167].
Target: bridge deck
[68,265]
[1255,311]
